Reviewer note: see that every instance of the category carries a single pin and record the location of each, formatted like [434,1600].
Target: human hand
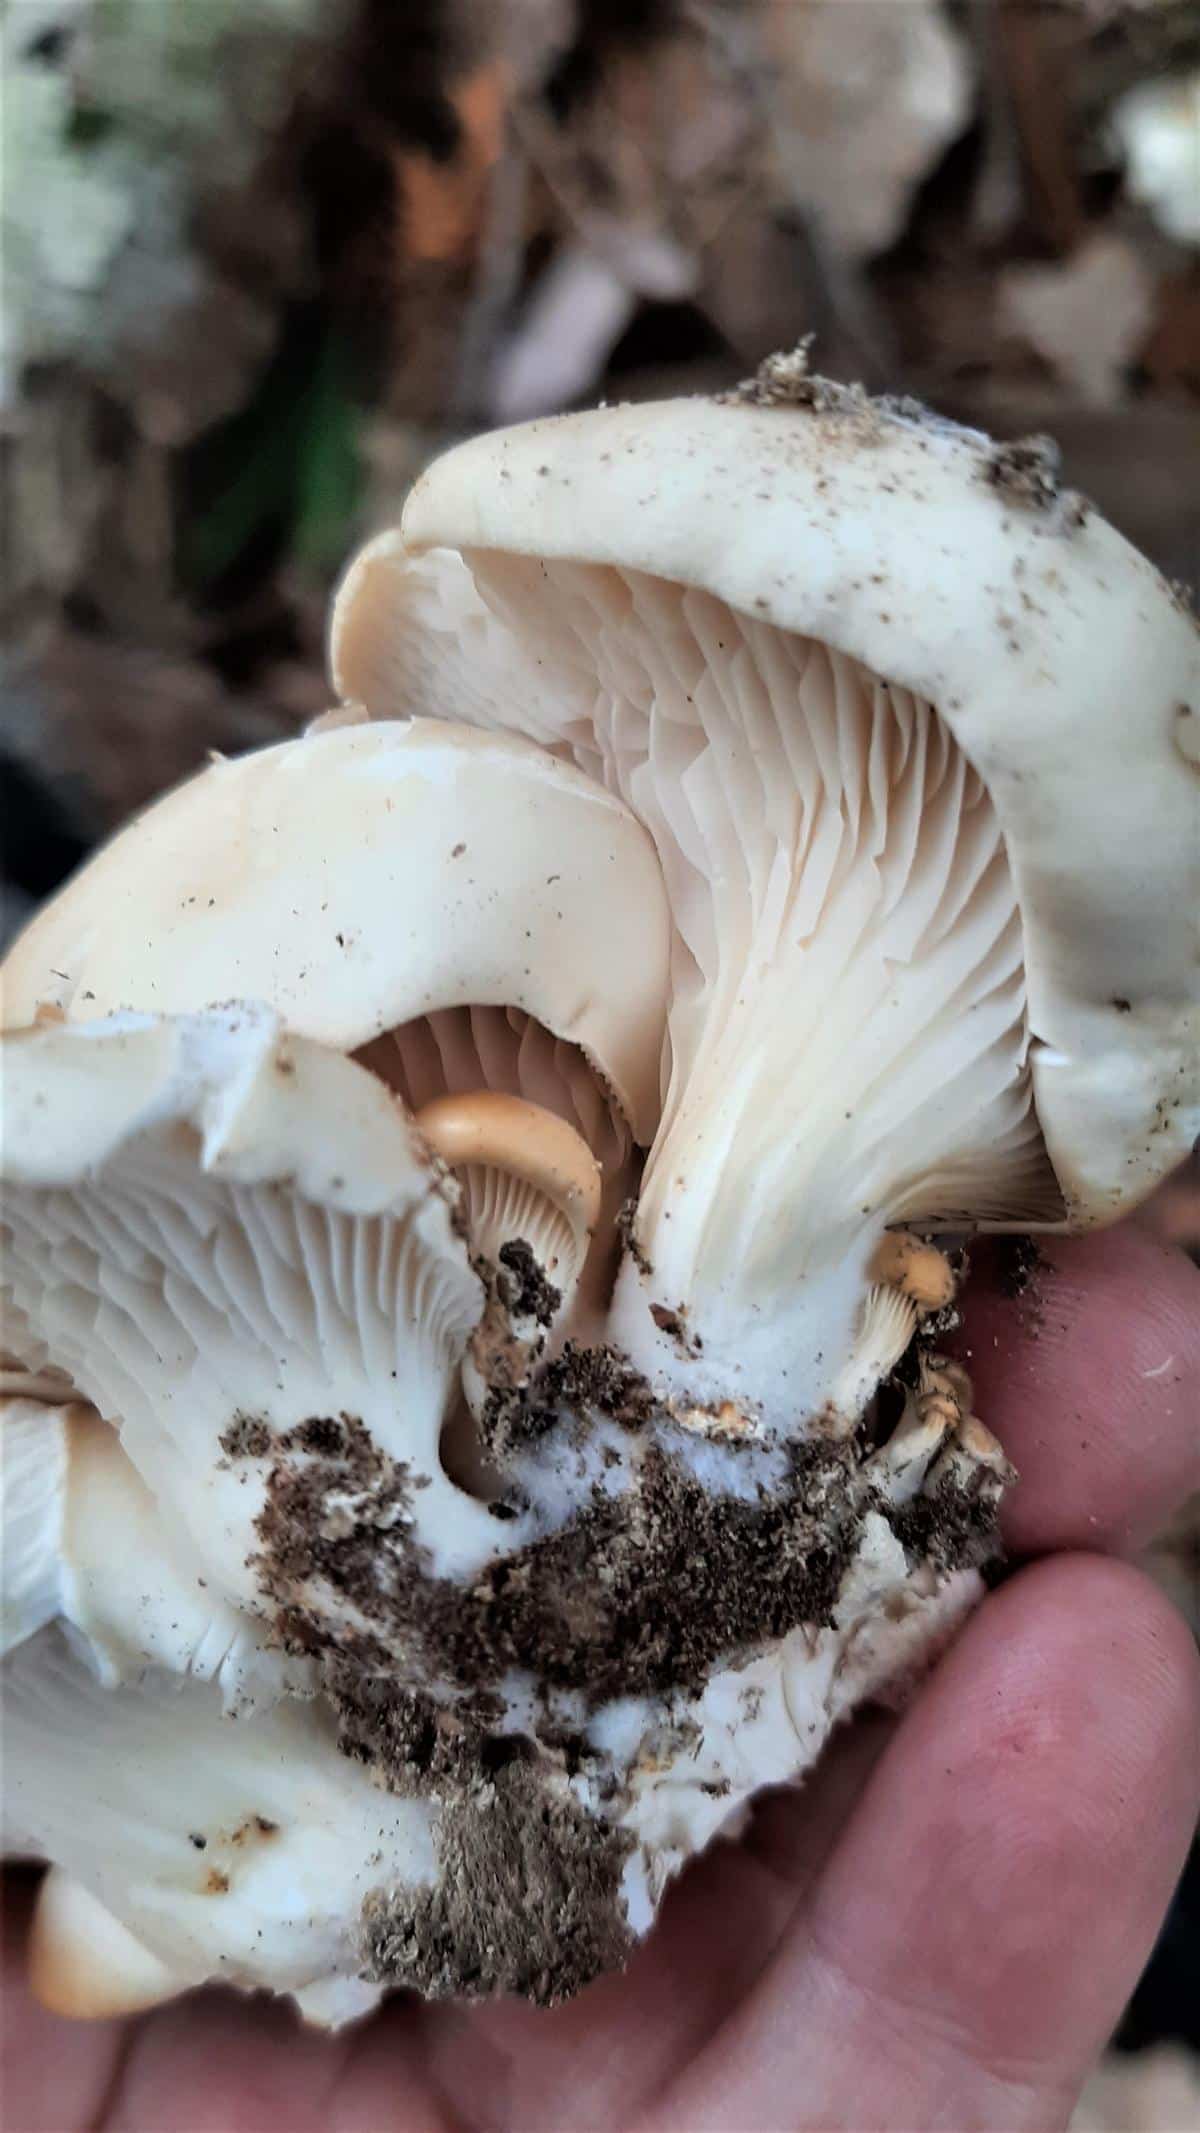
[940,1931]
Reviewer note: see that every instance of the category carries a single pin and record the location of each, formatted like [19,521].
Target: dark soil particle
[674,1325]
[626,1227]
[1029,471]
[579,1381]
[527,1900]
[330,1437]
[246,1438]
[951,1527]
[523,1287]
[1019,1262]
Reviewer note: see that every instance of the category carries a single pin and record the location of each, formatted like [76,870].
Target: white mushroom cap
[364,876]
[235,1849]
[918,741]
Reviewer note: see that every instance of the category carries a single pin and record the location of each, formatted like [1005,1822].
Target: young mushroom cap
[917,737]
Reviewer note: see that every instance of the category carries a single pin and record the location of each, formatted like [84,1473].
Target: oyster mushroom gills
[485,1184]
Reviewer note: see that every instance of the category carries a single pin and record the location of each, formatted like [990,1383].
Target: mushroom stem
[922,1273]
[889,1320]
[508,1133]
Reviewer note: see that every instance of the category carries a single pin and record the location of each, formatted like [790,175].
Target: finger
[792,1832]
[1090,1377]
[213,2061]
[55,2073]
[590,2063]
[598,2060]
[973,1939]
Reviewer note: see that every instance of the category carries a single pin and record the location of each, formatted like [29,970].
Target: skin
[940,1932]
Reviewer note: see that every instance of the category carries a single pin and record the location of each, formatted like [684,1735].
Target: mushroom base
[597,1705]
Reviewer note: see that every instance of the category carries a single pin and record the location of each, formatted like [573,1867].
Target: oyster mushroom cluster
[483,1184]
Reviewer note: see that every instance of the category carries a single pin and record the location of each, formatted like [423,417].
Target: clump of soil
[247,1437]
[522,1285]
[599,1380]
[627,1237]
[581,1380]
[336,1517]
[527,1901]
[519,1295]
[674,1324]
[952,1526]
[641,1592]
[416,1744]
[785,379]
[528,1896]
[1029,471]
[645,1592]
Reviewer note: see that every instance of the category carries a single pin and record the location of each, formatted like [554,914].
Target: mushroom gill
[848,1039]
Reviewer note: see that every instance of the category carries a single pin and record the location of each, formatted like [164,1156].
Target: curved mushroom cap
[1057,657]
[228,1236]
[917,738]
[360,877]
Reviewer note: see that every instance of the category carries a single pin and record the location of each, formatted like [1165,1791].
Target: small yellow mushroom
[918,1270]
[485,1131]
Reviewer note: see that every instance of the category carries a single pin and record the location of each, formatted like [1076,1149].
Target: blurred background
[262,258]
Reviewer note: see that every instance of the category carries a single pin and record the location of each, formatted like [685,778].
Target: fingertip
[1086,1365]
[970,1943]
[1080,1653]
[1038,1803]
